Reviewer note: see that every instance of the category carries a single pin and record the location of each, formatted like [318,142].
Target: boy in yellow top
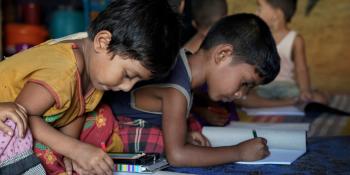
[58,81]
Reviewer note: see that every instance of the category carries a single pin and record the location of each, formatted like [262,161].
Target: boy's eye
[248,86]
[129,76]
[126,75]
[245,84]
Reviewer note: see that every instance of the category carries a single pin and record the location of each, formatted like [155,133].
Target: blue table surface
[325,155]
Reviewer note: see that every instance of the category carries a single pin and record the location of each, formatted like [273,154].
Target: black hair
[204,11]
[252,43]
[288,7]
[145,30]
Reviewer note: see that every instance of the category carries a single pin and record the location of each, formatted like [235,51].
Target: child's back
[285,85]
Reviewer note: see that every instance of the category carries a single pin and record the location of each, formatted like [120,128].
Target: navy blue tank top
[123,103]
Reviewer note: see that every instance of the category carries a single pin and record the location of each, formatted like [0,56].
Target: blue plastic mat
[325,155]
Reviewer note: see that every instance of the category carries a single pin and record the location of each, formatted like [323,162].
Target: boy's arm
[37,99]
[74,128]
[301,68]
[42,131]
[181,154]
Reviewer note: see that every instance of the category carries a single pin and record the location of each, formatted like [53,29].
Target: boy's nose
[127,86]
[241,94]
[238,94]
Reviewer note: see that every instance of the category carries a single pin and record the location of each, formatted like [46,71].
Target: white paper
[285,145]
[285,111]
[279,156]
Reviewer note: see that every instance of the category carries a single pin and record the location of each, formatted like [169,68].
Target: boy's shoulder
[299,41]
[45,62]
[56,56]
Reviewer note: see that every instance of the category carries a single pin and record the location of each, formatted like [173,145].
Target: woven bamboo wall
[327,34]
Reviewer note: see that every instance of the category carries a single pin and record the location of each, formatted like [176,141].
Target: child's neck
[279,31]
[82,61]
[202,31]
[197,63]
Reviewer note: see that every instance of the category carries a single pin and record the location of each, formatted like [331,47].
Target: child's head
[207,12]
[177,5]
[141,32]
[245,44]
[270,10]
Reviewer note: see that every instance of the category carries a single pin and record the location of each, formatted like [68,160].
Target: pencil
[254,134]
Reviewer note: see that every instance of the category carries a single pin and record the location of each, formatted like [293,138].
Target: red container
[24,34]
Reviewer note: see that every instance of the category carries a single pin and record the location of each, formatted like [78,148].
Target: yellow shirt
[52,65]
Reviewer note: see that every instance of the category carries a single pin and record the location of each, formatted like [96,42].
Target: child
[293,82]
[177,5]
[58,81]
[240,46]
[205,13]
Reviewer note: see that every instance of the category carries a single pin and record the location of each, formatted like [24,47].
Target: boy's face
[112,72]
[266,12]
[232,81]
[118,73]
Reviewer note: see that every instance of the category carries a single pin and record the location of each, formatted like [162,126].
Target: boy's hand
[197,138]
[16,113]
[78,169]
[68,165]
[305,96]
[72,166]
[92,159]
[253,149]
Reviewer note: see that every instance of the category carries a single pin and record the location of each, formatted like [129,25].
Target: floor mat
[323,125]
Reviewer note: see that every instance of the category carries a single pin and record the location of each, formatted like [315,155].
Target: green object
[65,22]
[254,134]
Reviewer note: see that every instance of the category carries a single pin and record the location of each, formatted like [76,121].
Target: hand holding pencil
[253,149]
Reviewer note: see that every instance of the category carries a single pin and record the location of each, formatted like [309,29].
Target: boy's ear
[101,41]
[194,24]
[223,52]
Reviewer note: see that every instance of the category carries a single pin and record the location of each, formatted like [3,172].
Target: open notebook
[286,142]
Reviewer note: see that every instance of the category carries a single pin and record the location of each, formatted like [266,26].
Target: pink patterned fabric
[10,146]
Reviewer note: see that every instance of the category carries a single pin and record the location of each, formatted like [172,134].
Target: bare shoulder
[159,91]
[299,41]
[157,98]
